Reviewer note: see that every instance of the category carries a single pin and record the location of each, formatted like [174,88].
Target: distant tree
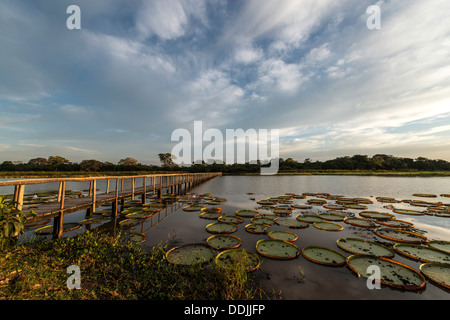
[38,162]
[91,165]
[129,161]
[167,160]
[57,161]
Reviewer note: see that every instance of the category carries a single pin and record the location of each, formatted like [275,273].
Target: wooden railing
[152,183]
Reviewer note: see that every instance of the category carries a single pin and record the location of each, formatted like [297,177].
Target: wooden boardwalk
[155,184]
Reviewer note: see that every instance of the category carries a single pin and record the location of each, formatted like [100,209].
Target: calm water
[321,282]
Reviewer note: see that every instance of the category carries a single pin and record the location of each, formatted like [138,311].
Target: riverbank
[59,174]
[112,268]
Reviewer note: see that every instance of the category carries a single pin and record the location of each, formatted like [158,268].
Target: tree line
[379,162]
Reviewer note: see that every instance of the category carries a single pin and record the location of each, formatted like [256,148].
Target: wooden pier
[114,193]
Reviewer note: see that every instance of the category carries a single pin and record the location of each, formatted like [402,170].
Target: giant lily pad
[139,215]
[219,227]
[47,230]
[440,245]
[376,215]
[223,241]
[262,220]
[329,226]
[422,253]
[296,224]
[439,273]
[409,212]
[393,273]
[231,219]
[322,255]
[309,218]
[190,254]
[283,235]
[361,246]
[277,249]
[400,235]
[242,257]
[257,228]
[331,216]
[395,223]
[365,223]
[247,213]
[210,215]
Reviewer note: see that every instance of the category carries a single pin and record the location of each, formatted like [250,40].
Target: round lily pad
[220,227]
[212,210]
[309,218]
[316,201]
[302,206]
[262,220]
[247,213]
[440,245]
[355,206]
[223,241]
[409,212]
[395,223]
[47,230]
[277,249]
[266,202]
[422,253]
[392,273]
[230,219]
[257,228]
[282,211]
[242,257]
[210,215]
[139,215]
[192,208]
[137,237]
[366,247]
[329,226]
[400,235]
[376,215]
[296,224]
[273,217]
[283,235]
[129,223]
[92,220]
[439,273]
[424,195]
[190,254]
[325,256]
[331,216]
[334,207]
[359,222]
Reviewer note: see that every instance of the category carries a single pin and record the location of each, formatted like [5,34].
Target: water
[282,276]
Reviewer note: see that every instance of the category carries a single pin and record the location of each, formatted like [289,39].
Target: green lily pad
[322,255]
[395,223]
[231,219]
[277,249]
[136,237]
[129,223]
[331,217]
[409,212]
[365,223]
[309,218]
[393,273]
[440,245]
[210,215]
[257,228]
[400,235]
[247,213]
[376,215]
[262,220]
[361,246]
[422,253]
[139,215]
[439,273]
[283,235]
[219,227]
[223,242]
[329,226]
[292,223]
[231,258]
[190,254]
[93,220]
[47,230]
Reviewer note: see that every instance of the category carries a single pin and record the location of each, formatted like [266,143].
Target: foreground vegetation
[113,268]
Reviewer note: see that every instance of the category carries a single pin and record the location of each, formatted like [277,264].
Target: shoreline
[53,174]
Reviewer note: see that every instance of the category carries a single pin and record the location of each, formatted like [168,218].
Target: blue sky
[137,70]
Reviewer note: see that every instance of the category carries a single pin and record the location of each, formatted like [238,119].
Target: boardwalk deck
[151,184]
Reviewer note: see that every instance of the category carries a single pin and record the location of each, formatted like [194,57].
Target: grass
[362,173]
[113,268]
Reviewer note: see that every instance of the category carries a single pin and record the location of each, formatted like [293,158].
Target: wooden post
[133,182]
[144,192]
[58,222]
[63,193]
[94,195]
[107,185]
[18,195]
[116,200]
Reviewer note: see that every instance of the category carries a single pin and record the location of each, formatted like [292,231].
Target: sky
[139,69]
